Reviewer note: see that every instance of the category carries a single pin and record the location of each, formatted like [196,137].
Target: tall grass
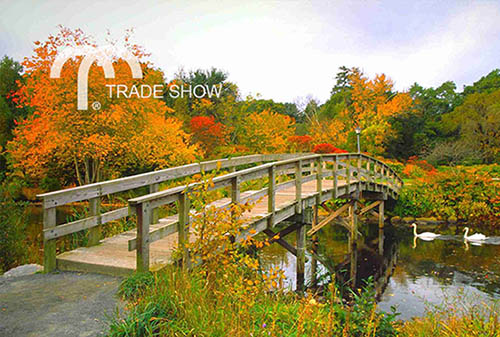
[179,303]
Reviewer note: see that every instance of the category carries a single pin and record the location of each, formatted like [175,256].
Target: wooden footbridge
[297,184]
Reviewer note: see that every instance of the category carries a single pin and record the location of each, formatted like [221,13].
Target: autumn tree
[266,132]
[360,102]
[121,135]
[208,133]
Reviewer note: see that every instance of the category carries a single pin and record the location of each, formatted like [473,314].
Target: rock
[27,269]
[427,221]
[408,219]
[396,220]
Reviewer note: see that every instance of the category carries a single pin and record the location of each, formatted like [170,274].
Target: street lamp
[358,132]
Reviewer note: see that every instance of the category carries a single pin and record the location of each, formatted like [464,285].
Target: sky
[282,50]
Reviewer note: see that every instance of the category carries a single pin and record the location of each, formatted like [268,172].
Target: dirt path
[59,304]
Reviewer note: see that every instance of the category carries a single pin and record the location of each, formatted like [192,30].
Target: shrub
[468,193]
[13,251]
[327,148]
[300,143]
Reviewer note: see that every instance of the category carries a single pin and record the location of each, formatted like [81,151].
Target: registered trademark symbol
[96,105]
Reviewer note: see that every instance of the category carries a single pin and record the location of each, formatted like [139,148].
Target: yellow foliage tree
[266,132]
[370,106]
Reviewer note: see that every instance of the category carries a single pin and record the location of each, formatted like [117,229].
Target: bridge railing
[93,193]
[348,172]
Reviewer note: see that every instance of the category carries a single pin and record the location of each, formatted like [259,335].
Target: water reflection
[409,274]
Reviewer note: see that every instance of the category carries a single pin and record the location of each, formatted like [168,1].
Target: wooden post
[314,263]
[348,173]
[271,196]
[49,246]
[235,193]
[95,232]
[319,179]
[153,188]
[301,256]
[182,230]
[381,241]
[381,217]
[143,212]
[235,190]
[360,162]
[298,186]
[354,241]
[335,178]
[314,242]
[354,220]
[354,265]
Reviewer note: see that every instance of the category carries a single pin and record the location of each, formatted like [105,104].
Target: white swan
[428,236]
[478,237]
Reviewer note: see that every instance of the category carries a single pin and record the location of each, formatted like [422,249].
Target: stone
[27,269]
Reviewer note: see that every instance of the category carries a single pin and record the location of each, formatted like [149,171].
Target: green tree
[10,77]
[419,129]
[488,83]
[477,123]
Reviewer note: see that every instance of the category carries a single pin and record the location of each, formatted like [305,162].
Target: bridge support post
[143,211]
[314,247]
[184,207]
[381,238]
[353,241]
[95,232]
[301,256]
[314,262]
[381,217]
[49,246]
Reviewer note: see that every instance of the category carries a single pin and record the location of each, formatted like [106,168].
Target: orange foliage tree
[300,143]
[208,133]
[370,106]
[266,132]
[125,133]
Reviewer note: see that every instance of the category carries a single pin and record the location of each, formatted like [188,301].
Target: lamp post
[358,132]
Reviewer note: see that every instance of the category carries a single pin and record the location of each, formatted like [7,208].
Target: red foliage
[417,168]
[300,143]
[209,133]
[327,148]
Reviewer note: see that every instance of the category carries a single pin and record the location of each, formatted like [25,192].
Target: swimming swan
[425,235]
[475,237]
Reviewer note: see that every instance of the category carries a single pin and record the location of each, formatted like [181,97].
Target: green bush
[467,193]
[13,250]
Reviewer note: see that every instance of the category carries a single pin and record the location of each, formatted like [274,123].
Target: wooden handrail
[145,206]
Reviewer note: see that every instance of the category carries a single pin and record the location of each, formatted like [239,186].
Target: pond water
[408,274]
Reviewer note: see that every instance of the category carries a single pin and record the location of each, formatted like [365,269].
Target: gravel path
[58,304]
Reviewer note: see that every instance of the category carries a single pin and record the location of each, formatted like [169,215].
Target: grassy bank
[178,303]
